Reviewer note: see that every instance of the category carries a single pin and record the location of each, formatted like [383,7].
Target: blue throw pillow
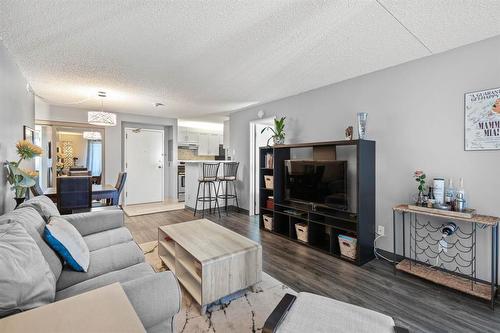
[64,239]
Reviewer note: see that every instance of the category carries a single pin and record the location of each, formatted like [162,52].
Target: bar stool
[230,170]
[209,177]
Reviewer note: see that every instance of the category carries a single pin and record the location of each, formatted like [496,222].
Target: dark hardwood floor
[413,303]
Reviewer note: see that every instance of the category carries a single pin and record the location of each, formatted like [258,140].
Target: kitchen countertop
[204,161]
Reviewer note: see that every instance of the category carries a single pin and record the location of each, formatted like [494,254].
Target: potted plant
[278,136]
[22,179]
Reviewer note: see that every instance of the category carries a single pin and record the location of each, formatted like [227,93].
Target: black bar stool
[209,177]
[228,176]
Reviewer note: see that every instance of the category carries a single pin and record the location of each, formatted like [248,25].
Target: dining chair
[120,184]
[97,179]
[74,194]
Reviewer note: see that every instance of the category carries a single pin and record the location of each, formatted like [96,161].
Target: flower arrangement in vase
[22,179]
[419,176]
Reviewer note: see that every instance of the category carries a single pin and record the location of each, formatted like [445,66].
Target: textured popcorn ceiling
[200,57]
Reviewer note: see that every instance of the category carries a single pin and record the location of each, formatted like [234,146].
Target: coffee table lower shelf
[477,289]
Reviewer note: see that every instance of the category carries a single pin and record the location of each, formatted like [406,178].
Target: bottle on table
[438,190]
[461,191]
[430,197]
[449,196]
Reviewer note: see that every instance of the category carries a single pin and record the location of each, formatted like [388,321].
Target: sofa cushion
[63,238]
[31,220]
[103,261]
[107,238]
[45,207]
[122,275]
[26,281]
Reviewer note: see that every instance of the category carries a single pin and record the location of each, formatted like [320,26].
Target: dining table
[99,192]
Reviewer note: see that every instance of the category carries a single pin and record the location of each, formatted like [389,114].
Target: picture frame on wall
[482,120]
[28,134]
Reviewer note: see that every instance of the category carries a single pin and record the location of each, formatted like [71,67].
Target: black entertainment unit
[324,222]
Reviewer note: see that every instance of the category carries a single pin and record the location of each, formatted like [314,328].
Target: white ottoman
[317,314]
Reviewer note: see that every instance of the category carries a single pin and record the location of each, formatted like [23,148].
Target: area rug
[152,208]
[244,314]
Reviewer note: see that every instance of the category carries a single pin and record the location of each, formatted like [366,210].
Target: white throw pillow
[63,238]
[26,280]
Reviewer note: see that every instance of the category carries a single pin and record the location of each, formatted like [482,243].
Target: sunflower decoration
[496,107]
[26,150]
[21,179]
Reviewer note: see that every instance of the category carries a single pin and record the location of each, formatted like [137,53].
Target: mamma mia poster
[482,120]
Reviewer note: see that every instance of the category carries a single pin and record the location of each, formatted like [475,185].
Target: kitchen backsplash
[190,154]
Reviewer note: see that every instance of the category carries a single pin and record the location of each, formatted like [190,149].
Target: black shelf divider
[324,225]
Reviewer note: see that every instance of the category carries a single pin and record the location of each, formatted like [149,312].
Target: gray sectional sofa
[114,257]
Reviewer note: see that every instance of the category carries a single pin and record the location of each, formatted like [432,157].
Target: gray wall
[416,116]
[113,150]
[16,109]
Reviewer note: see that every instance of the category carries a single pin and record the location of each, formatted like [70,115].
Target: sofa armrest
[93,222]
[279,313]
[155,298]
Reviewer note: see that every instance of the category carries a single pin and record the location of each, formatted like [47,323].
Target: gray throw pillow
[26,281]
[45,207]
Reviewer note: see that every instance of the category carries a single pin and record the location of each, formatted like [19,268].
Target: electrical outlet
[381,230]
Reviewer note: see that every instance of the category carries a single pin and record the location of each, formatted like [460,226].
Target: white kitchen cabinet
[182,134]
[193,136]
[213,144]
[225,136]
[203,144]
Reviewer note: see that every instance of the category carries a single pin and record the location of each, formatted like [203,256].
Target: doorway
[144,164]
[257,140]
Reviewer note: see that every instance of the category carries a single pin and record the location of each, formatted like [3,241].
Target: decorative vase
[362,117]
[279,140]
[420,198]
[19,201]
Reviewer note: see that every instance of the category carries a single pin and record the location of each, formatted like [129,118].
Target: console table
[424,238]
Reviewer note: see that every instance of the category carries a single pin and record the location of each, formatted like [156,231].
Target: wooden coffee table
[210,261]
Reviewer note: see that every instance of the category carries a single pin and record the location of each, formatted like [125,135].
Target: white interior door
[257,139]
[144,164]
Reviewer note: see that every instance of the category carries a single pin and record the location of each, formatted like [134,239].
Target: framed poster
[28,134]
[482,120]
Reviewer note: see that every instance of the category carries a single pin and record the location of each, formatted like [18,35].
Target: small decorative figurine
[348,133]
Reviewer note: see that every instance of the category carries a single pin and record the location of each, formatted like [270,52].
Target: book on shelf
[269,161]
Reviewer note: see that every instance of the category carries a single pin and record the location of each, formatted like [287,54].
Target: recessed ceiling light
[158,104]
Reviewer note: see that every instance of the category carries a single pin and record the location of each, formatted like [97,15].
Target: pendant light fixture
[101,118]
[92,135]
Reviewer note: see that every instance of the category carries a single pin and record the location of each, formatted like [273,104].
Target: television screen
[318,182]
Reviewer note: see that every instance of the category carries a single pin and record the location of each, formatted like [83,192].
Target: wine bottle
[461,190]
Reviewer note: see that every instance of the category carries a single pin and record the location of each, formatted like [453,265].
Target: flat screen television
[317,182]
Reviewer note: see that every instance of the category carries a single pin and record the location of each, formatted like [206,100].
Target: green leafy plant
[278,131]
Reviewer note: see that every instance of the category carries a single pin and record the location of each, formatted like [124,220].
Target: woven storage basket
[268,221]
[301,229]
[269,181]
[348,246]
